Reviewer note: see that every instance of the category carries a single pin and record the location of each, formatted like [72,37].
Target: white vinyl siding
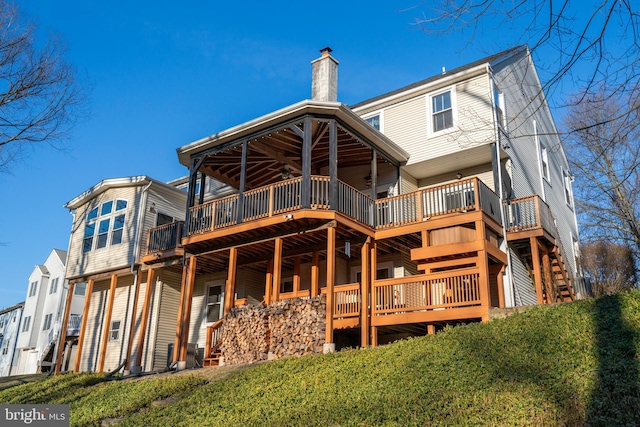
[525,289]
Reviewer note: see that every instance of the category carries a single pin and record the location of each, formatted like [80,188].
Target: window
[33,288]
[566,181]
[80,289]
[114,332]
[162,219]
[46,325]
[1,323]
[442,111]
[5,348]
[26,324]
[110,223]
[214,301]
[53,287]
[374,121]
[544,162]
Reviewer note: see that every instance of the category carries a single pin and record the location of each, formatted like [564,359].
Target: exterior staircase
[212,351]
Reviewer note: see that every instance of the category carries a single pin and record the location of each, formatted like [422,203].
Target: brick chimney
[324,77]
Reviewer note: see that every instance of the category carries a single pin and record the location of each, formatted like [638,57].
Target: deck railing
[529,213]
[212,341]
[346,301]
[276,199]
[165,237]
[459,288]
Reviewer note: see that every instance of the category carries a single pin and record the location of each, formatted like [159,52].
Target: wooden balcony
[529,216]
[277,200]
[164,243]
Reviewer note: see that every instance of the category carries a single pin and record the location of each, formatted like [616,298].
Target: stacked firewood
[285,328]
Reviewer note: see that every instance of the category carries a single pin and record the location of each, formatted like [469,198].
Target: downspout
[501,198]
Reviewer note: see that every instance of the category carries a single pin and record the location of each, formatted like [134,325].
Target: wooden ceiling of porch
[269,154]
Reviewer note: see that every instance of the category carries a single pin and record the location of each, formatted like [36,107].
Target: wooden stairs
[212,351]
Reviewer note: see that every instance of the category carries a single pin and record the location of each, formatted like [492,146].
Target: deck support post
[535,258]
[186,316]
[63,332]
[373,276]
[315,274]
[305,193]
[365,291]
[83,324]
[333,165]
[132,327]
[106,325]
[431,329]
[183,291]
[230,285]
[144,316]
[331,281]
[243,181]
[268,285]
[296,275]
[546,266]
[483,266]
[277,268]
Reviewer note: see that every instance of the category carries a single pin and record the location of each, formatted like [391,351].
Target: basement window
[114,331]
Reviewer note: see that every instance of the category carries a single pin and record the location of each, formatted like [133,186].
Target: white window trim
[378,113]
[567,188]
[207,285]
[454,112]
[111,339]
[111,216]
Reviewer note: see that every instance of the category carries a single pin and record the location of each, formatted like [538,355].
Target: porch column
[500,283]
[243,183]
[431,329]
[144,316]
[63,332]
[268,286]
[132,327]
[277,268]
[188,299]
[333,165]
[183,291]
[296,275]
[535,258]
[191,190]
[83,324]
[230,285]
[107,322]
[373,272]
[546,266]
[483,266]
[306,164]
[331,281]
[365,291]
[315,274]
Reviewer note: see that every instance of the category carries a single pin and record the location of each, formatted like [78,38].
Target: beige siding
[136,337]
[111,257]
[408,184]
[160,200]
[169,285]
[122,305]
[483,172]
[93,331]
[406,125]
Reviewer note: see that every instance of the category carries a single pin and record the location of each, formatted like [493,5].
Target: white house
[9,327]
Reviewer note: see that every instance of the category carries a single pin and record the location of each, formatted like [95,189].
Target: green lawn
[571,364]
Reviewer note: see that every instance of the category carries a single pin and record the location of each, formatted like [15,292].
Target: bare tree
[579,44]
[610,267]
[605,157]
[40,98]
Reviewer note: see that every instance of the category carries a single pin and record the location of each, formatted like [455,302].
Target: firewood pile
[285,328]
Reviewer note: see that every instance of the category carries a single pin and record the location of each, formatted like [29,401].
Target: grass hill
[570,364]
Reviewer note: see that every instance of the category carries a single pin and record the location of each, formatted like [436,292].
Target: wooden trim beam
[63,333]
[183,291]
[187,308]
[83,324]
[107,322]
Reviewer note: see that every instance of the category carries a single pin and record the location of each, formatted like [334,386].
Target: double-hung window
[566,181]
[442,111]
[46,325]
[374,121]
[53,287]
[33,288]
[544,163]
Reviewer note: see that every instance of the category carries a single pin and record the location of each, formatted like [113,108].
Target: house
[426,206]
[130,311]
[9,327]
[42,320]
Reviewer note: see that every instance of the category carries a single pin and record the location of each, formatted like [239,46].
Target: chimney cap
[326,50]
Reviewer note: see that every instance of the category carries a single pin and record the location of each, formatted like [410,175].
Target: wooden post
[373,277]
[500,280]
[83,325]
[107,322]
[183,289]
[331,281]
[63,333]
[535,257]
[188,299]
[546,266]
[374,336]
[315,274]
[268,286]
[277,268]
[145,315]
[296,275]
[483,266]
[132,327]
[230,288]
[431,329]
[365,290]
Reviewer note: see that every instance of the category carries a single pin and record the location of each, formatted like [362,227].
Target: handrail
[165,237]
[213,341]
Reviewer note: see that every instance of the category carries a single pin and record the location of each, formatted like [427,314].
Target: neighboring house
[422,207]
[42,319]
[9,327]
[124,318]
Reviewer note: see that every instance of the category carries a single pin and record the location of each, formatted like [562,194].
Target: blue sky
[163,75]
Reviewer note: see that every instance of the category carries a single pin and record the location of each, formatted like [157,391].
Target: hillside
[571,364]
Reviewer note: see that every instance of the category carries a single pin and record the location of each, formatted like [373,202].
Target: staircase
[212,351]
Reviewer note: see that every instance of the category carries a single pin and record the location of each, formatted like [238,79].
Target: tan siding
[167,319]
[138,318]
[116,350]
[483,172]
[408,183]
[93,331]
[251,283]
[406,125]
[110,257]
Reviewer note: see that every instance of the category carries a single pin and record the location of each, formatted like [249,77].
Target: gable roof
[489,60]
